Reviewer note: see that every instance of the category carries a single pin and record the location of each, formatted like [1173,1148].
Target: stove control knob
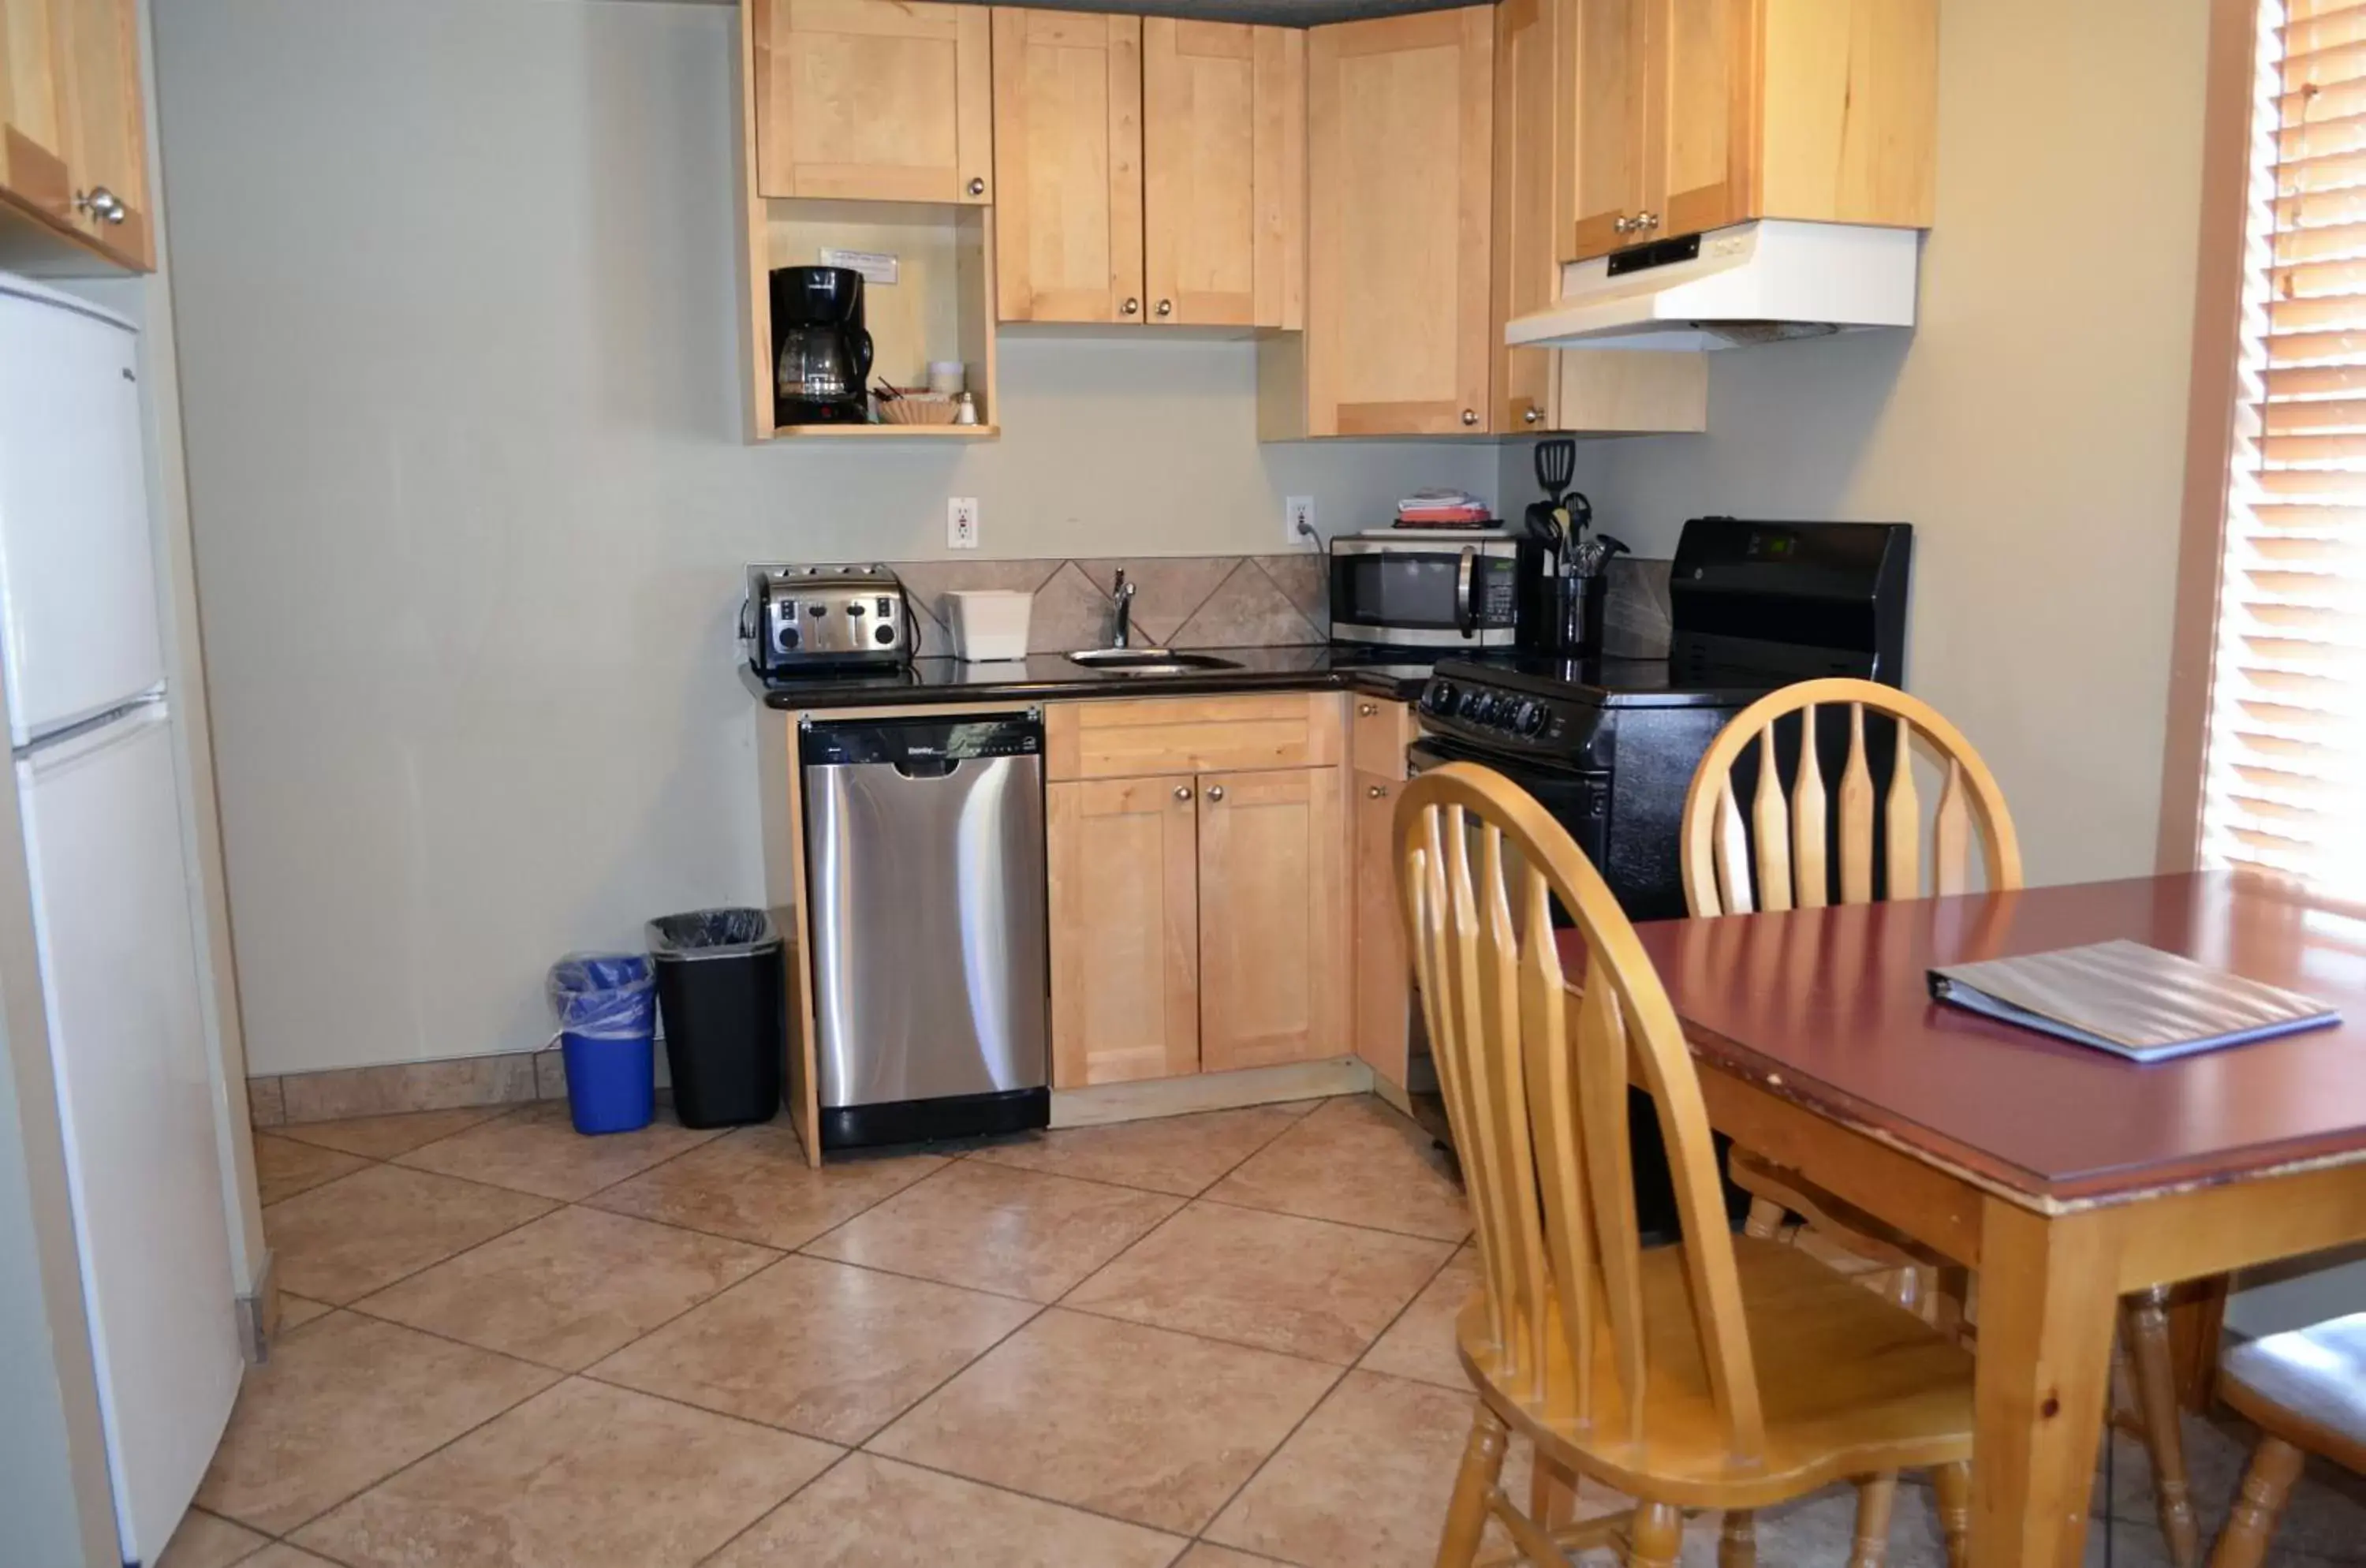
[1468,704]
[1439,698]
[1531,717]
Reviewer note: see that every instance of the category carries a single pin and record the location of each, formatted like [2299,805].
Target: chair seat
[1850,1385]
[2308,1386]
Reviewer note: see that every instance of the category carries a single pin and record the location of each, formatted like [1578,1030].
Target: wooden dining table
[2066,1176]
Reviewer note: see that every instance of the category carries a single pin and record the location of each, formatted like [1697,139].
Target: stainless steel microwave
[1424,588]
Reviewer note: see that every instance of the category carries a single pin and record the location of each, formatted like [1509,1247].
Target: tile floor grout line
[868,1452]
[794,1494]
[494,1113]
[1339,1376]
[1455,1242]
[463,1252]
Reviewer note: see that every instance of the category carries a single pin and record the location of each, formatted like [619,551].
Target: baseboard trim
[1106,1103]
[258,1315]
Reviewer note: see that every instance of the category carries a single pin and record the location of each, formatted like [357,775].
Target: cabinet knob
[1646,220]
[976,187]
[1530,416]
[1182,792]
[102,204]
[1469,416]
[1215,791]
[1132,306]
[1366,710]
[1167,307]
[1623,226]
[1378,792]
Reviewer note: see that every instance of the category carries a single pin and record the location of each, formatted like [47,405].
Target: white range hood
[1760,282]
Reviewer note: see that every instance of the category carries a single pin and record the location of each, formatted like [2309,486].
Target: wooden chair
[1785,859]
[2306,1392]
[1725,1372]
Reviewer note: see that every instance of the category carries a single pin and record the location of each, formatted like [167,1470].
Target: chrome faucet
[1122,592]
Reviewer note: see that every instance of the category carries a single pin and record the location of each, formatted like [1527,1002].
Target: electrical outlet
[961,523]
[1298,523]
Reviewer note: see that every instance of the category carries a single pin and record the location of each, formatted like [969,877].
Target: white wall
[455,289]
[2031,427]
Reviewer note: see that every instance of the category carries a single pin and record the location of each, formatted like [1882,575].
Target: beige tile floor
[1218,1341]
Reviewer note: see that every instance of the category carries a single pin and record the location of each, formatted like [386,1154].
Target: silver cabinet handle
[1530,416]
[1182,792]
[1215,791]
[1367,710]
[1132,306]
[1378,792]
[1624,226]
[976,187]
[1646,220]
[102,204]
[1167,307]
[1469,416]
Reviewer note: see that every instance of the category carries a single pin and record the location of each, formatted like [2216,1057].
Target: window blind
[2284,787]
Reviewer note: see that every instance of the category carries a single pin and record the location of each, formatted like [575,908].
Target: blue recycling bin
[606,1004]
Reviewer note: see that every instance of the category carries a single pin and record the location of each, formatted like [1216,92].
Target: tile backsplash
[1278,601]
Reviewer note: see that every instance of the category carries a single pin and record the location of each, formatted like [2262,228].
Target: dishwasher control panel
[863,742]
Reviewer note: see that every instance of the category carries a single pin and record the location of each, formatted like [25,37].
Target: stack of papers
[2128,998]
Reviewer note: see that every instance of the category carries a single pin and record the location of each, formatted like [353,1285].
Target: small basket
[918,408]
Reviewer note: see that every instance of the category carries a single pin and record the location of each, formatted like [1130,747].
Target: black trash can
[720,993]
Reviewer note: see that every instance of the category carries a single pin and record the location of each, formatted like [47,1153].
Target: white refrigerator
[91,734]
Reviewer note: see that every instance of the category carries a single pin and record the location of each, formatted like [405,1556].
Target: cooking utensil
[1555,464]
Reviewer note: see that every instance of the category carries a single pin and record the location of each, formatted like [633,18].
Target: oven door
[1578,799]
[1441,595]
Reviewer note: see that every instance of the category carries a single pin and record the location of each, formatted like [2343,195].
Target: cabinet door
[1702,93]
[1272,918]
[32,138]
[1400,154]
[888,100]
[1609,173]
[106,126]
[1067,160]
[1124,909]
[1222,109]
[1383,980]
[1535,136]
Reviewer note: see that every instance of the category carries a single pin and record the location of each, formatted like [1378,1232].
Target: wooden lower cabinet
[1199,924]
[1382,982]
[1124,885]
[1272,918]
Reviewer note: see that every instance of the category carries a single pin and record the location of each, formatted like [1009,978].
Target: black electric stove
[1608,745]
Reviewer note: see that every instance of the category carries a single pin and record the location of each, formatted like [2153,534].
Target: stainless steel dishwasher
[924,876]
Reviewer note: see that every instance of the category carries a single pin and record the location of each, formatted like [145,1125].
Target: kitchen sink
[1149,661]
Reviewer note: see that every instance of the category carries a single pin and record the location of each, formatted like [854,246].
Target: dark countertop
[1041,676]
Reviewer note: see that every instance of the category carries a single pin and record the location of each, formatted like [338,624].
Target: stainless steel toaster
[800,617]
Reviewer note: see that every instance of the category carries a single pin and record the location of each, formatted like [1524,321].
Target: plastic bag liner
[604,995]
[711,933]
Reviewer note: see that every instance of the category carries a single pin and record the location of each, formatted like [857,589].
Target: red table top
[1835,1001]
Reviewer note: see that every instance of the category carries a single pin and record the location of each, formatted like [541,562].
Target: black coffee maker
[821,354]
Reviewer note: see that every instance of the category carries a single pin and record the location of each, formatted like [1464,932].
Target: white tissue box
[989,623]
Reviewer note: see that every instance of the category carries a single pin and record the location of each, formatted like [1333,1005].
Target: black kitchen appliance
[1608,746]
[821,354]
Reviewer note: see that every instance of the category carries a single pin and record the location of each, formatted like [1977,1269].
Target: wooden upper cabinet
[884,101]
[1067,157]
[1536,133]
[1697,114]
[1701,136]
[74,135]
[1224,154]
[1124,865]
[1400,158]
[1273,912]
[1608,186]
[1150,171]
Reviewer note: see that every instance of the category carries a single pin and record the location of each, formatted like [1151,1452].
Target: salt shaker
[966,411]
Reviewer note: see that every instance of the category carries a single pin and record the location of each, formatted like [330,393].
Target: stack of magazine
[2124,997]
